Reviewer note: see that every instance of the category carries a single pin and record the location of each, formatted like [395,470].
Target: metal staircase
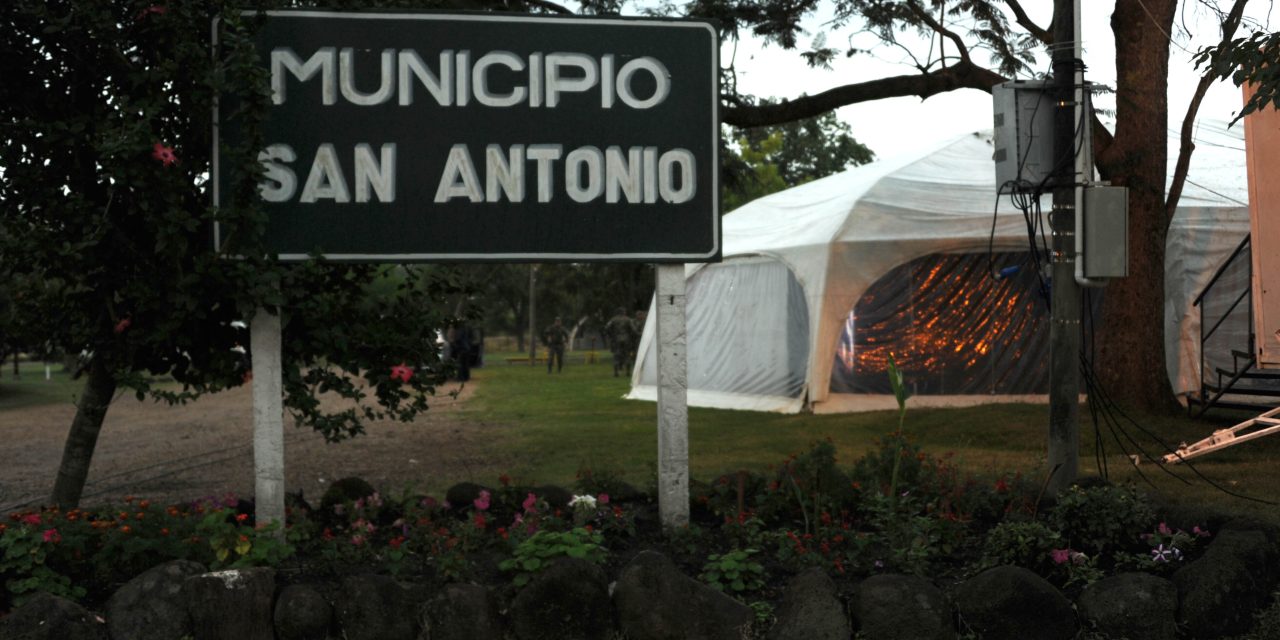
[1228,377]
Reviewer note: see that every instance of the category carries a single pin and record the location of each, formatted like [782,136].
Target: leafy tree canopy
[771,158]
[105,212]
[1255,60]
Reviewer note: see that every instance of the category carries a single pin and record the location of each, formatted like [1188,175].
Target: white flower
[588,502]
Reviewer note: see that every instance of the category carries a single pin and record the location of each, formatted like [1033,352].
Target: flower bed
[898,511]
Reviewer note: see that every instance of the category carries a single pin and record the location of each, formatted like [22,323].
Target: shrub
[1025,544]
[733,571]
[1102,520]
[539,550]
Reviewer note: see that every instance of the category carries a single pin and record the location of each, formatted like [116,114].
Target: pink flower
[1060,556]
[122,326]
[52,535]
[31,518]
[357,540]
[1163,529]
[401,372]
[1199,532]
[156,9]
[482,502]
[603,498]
[164,154]
[530,504]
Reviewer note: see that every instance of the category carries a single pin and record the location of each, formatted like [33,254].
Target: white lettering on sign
[374,176]
[637,175]
[540,80]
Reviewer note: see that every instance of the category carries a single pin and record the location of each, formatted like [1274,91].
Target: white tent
[905,242]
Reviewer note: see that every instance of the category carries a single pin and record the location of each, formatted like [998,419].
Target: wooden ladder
[1251,429]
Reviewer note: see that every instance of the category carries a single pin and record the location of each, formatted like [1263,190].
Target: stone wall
[650,599]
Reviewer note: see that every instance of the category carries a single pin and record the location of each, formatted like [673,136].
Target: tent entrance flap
[955,324]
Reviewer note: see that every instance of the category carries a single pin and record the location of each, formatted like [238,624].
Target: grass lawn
[577,419]
[31,388]
[561,423]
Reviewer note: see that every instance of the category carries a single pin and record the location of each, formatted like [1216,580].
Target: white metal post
[268,418]
[673,408]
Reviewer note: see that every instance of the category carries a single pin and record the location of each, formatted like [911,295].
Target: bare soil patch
[205,448]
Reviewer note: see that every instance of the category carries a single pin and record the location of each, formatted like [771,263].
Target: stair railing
[1226,289]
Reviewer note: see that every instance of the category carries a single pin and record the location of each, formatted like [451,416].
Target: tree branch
[938,28]
[550,6]
[1229,26]
[964,75]
[1043,35]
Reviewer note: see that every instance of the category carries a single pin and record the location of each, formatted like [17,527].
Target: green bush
[1025,544]
[733,571]
[542,548]
[1102,520]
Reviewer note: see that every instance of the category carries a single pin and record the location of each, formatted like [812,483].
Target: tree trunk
[77,454]
[1130,358]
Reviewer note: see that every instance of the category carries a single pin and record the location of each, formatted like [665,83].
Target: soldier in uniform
[621,333]
[637,326]
[555,337]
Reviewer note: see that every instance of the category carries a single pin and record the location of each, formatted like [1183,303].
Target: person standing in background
[555,337]
[621,333]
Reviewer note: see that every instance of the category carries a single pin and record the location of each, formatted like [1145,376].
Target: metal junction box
[1105,226]
[1024,113]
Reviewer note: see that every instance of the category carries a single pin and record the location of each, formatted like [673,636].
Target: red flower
[401,372]
[122,326]
[242,517]
[603,498]
[31,518]
[504,479]
[396,542]
[480,521]
[164,154]
[155,8]
[1001,486]
[52,535]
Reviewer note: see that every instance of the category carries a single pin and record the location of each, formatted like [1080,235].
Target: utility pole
[1064,328]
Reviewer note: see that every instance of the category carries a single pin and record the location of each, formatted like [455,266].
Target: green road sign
[480,137]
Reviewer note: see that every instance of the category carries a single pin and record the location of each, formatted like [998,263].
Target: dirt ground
[205,448]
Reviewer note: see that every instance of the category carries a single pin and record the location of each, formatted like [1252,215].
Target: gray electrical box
[1105,225]
[1024,113]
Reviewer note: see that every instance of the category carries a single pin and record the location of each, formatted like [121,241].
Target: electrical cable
[1104,412]
[1114,417]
